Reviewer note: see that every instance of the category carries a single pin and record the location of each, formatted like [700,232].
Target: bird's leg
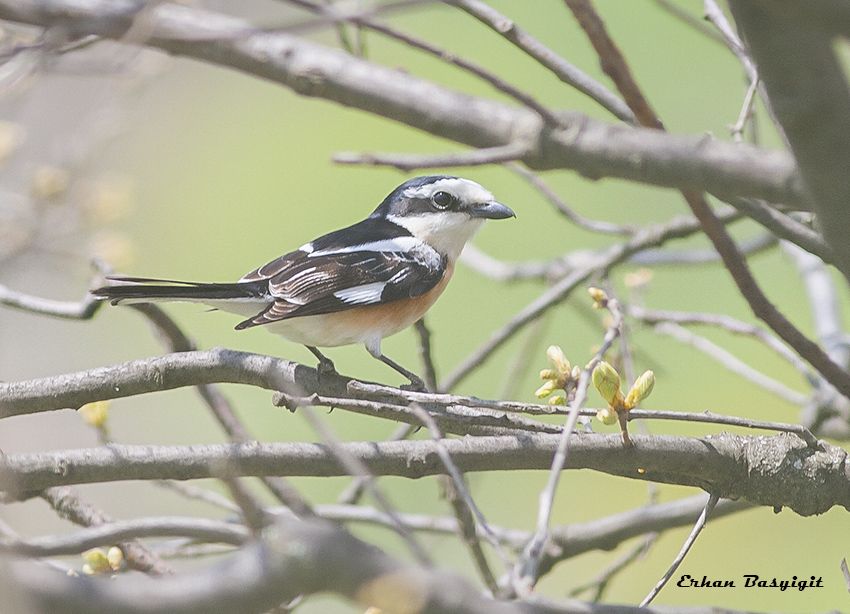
[416,383]
[326,365]
[373,346]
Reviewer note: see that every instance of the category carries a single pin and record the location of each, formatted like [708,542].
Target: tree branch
[781,470]
[711,224]
[591,147]
[203,529]
[463,414]
[784,227]
[293,558]
[67,505]
[409,162]
[599,262]
[545,56]
[810,98]
[163,373]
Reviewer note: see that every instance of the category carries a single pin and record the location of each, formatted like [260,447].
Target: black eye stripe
[442,200]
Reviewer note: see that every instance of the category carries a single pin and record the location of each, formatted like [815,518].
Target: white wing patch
[398,244]
[398,277]
[362,295]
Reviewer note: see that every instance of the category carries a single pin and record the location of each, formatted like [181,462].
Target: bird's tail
[148,290]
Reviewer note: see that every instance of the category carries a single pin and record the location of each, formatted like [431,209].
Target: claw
[415,386]
[326,367]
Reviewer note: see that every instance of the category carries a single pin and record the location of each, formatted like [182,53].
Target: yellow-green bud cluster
[95,414]
[606,380]
[99,562]
[561,377]
[599,296]
[606,415]
[641,389]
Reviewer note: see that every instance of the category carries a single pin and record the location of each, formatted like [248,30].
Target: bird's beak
[491,211]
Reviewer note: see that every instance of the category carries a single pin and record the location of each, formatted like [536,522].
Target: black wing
[370,230]
[306,284]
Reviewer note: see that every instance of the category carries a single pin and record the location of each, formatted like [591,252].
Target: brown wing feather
[275,267]
[308,286]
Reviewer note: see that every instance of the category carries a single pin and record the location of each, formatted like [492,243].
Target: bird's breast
[360,324]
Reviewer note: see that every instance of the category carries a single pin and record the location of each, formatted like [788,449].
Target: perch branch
[779,470]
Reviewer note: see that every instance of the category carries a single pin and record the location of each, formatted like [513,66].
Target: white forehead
[465,190]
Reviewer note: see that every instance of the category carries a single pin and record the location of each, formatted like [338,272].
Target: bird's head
[442,211]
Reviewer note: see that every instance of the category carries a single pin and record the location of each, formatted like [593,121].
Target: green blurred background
[229,171]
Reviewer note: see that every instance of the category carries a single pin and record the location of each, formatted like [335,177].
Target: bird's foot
[326,367]
[415,385]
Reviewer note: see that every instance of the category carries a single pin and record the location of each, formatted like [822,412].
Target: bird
[358,284]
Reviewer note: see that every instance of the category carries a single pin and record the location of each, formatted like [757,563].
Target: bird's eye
[442,200]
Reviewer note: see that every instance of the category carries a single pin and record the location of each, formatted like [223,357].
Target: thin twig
[675,10]
[356,467]
[731,362]
[708,417]
[604,150]
[829,412]
[294,557]
[565,541]
[784,226]
[763,308]
[545,56]
[558,267]
[429,370]
[469,516]
[526,571]
[353,493]
[196,493]
[482,73]
[69,506]
[613,63]
[728,324]
[709,255]
[189,549]
[563,208]
[342,13]
[603,579]
[409,162]
[8,535]
[521,363]
[468,533]
[711,225]
[367,390]
[599,262]
[686,547]
[174,338]
[198,529]
[737,129]
[714,14]
[253,514]
[457,477]
[82,310]
[455,419]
